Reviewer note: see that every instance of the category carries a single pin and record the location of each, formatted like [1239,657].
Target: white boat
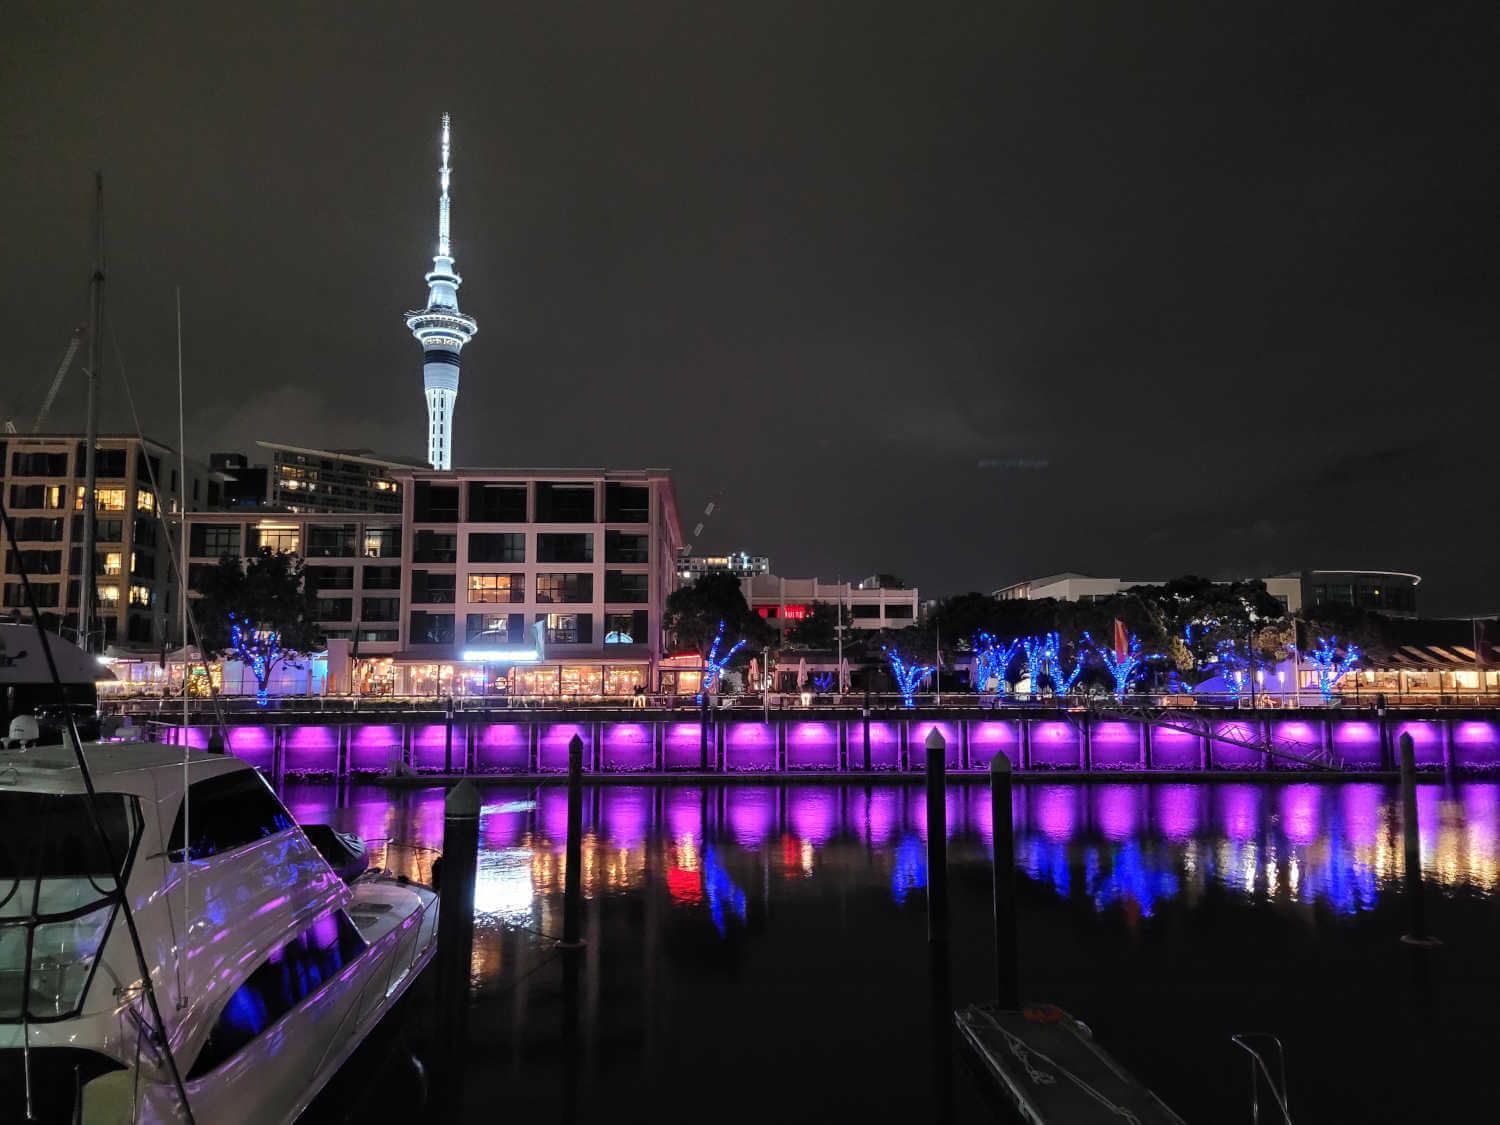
[267,968]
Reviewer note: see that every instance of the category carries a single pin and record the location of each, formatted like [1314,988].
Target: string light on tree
[1331,664]
[1063,683]
[714,665]
[1038,660]
[1234,669]
[823,682]
[1122,667]
[991,659]
[260,649]
[908,677]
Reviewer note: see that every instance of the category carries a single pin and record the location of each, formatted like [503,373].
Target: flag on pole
[1122,640]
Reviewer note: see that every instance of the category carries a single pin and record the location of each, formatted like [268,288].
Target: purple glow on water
[552,745]
[1055,810]
[313,749]
[1115,745]
[627,813]
[1476,744]
[814,814]
[1360,804]
[989,737]
[680,746]
[1237,809]
[1117,810]
[1356,744]
[502,747]
[916,735]
[428,742]
[751,812]
[1427,743]
[684,812]
[499,829]
[1429,821]
[1173,749]
[1176,810]
[370,746]
[552,814]
[979,814]
[916,810]
[627,746]
[813,745]
[1054,745]
[750,747]
[1481,828]
[878,816]
[1301,819]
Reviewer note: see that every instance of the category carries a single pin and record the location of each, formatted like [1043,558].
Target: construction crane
[62,370]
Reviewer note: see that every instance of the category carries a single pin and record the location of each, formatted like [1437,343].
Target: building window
[330,541]
[105,499]
[279,539]
[214,540]
[625,628]
[496,503]
[380,609]
[34,562]
[142,596]
[320,578]
[382,543]
[39,464]
[46,594]
[435,547]
[863,612]
[627,503]
[565,547]
[568,628]
[40,528]
[624,679]
[105,531]
[145,500]
[497,547]
[334,609]
[624,547]
[496,628]
[582,679]
[427,587]
[381,577]
[37,496]
[434,503]
[497,588]
[144,533]
[431,628]
[564,588]
[622,587]
[113,564]
[564,503]
[899,611]
[109,595]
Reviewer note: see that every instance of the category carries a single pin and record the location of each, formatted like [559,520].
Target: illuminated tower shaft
[442,331]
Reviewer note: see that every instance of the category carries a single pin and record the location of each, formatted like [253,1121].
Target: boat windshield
[55,889]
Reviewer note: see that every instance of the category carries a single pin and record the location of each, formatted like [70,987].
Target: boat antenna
[91,424]
[187,836]
[121,899]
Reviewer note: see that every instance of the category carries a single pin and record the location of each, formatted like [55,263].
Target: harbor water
[758,952]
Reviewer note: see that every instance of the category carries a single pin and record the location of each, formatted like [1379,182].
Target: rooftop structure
[784,601]
[332,480]
[738,563]
[1391,592]
[442,331]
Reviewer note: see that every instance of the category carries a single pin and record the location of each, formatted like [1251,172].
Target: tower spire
[441,330]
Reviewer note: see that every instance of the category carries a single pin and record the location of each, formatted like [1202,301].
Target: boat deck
[1053,1071]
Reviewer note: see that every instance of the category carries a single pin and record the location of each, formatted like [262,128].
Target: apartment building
[136,591]
[332,480]
[785,601]
[489,581]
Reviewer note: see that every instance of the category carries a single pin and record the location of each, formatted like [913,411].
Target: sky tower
[442,331]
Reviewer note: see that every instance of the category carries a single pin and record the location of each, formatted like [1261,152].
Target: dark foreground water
[758,952]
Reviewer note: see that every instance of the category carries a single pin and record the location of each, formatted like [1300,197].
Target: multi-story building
[783,601]
[332,480]
[522,582]
[1383,591]
[135,588]
[690,568]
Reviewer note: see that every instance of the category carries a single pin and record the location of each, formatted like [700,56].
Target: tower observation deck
[442,331]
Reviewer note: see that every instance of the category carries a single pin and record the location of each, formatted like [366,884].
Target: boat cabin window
[293,973]
[55,881]
[228,812]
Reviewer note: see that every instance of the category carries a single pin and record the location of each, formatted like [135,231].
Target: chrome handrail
[1258,1068]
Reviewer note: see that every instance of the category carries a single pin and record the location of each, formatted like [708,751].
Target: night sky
[963,292]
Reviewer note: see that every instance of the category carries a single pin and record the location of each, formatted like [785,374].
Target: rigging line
[187,836]
[105,847]
[178,564]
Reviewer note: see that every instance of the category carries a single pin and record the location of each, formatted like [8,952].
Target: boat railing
[1261,1073]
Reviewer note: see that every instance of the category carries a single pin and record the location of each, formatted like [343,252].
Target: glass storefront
[582,681]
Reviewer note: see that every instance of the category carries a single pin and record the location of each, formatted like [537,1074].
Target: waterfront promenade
[1105,738]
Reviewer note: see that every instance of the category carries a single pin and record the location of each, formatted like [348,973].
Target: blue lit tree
[908,676]
[823,683]
[261,611]
[992,659]
[1234,669]
[1038,654]
[261,650]
[1122,669]
[1062,682]
[714,664]
[1331,663]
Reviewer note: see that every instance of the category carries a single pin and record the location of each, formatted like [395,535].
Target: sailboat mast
[91,425]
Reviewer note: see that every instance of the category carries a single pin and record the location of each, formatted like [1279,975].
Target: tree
[695,612]
[819,629]
[260,610]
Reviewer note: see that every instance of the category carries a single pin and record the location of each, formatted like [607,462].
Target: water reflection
[1129,846]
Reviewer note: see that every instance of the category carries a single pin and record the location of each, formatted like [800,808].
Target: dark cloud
[826,259]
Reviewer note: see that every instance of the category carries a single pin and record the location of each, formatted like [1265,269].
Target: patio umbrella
[754,672]
[801,672]
[844,675]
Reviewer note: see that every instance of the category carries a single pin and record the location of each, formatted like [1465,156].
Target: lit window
[105,499]
[145,501]
[112,562]
[109,596]
[140,595]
